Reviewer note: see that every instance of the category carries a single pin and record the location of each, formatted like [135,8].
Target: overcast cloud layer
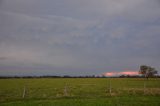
[78,37]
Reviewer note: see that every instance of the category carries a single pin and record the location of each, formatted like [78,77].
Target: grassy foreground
[111,101]
[80,92]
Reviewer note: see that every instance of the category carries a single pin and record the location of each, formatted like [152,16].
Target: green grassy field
[80,92]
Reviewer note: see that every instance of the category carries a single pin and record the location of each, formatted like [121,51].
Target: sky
[78,37]
[130,73]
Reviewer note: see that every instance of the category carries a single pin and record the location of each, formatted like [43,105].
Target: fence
[79,88]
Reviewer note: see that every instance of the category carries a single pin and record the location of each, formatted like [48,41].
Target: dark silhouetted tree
[147,71]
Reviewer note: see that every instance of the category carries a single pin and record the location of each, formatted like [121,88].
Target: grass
[110,101]
[80,91]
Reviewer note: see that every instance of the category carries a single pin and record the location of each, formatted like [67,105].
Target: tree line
[145,72]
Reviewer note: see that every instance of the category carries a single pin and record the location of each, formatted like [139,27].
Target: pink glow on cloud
[121,73]
[129,73]
[109,74]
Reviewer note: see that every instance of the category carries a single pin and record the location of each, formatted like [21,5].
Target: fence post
[24,92]
[110,88]
[65,91]
[144,88]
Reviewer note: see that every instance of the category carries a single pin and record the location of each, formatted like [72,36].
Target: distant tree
[147,71]
[122,76]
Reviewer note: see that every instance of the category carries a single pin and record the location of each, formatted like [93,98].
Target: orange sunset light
[121,73]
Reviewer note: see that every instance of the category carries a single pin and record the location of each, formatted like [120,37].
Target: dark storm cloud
[78,36]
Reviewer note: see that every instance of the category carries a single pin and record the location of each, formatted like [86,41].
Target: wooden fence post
[24,92]
[65,91]
[110,88]
[144,88]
